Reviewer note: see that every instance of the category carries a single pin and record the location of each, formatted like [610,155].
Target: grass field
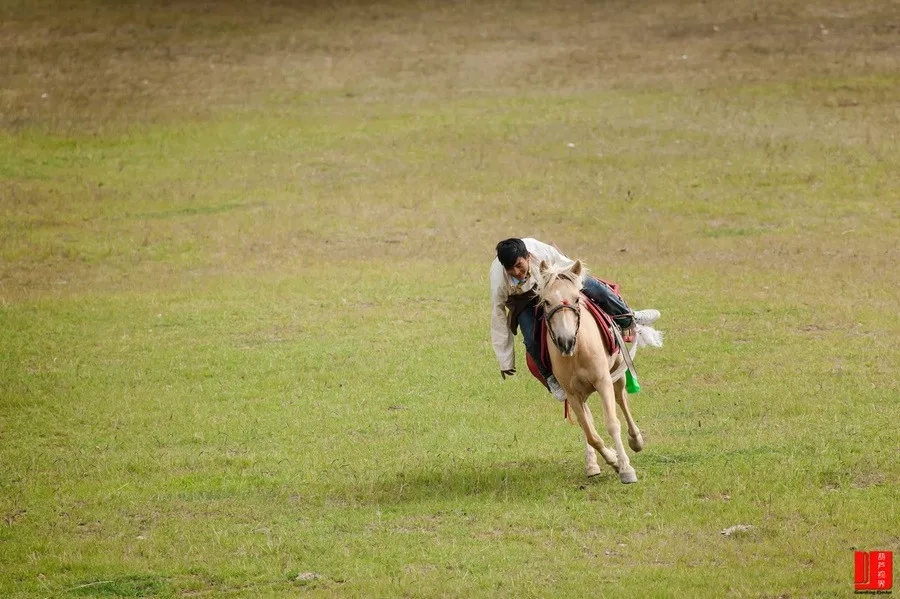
[244,344]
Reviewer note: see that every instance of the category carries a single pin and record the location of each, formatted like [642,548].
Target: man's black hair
[510,250]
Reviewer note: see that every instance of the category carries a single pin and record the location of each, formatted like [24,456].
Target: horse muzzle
[566,346]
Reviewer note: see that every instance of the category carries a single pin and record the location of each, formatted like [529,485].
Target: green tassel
[631,383]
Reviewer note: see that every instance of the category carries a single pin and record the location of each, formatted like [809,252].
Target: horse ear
[576,268]
[544,266]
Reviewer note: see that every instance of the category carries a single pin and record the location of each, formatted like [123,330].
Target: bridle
[556,309]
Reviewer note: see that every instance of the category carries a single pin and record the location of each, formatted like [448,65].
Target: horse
[582,365]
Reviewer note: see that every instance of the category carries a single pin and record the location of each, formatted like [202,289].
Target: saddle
[604,323]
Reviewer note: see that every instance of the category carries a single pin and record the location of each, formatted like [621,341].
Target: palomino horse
[582,365]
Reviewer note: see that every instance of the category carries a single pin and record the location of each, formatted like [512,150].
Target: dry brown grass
[105,65]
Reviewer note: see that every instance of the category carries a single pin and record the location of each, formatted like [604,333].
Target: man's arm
[501,336]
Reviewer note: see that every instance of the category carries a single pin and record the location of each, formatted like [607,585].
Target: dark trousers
[599,293]
[608,301]
[527,324]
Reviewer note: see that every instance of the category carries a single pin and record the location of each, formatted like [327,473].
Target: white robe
[502,287]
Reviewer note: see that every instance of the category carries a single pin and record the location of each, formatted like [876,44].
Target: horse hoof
[636,443]
[593,471]
[628,477]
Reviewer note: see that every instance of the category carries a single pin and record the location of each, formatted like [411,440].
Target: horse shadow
[526,479]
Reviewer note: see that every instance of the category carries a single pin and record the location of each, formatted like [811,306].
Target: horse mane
[549,277]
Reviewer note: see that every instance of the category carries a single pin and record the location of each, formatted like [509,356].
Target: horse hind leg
[635,438]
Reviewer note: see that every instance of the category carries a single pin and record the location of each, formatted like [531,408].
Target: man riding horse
[514,274]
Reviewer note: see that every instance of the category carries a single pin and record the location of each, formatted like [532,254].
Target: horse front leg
[614,428]
[609,456]
[635,438]
[590,458]
[593,441]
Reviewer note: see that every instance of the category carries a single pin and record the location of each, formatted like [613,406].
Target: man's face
[520,269]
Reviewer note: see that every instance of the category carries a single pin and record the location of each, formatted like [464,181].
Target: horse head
[560,295]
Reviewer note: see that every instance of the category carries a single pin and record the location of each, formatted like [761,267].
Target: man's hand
[506,373]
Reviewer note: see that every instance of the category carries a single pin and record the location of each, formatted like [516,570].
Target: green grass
[243,296]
